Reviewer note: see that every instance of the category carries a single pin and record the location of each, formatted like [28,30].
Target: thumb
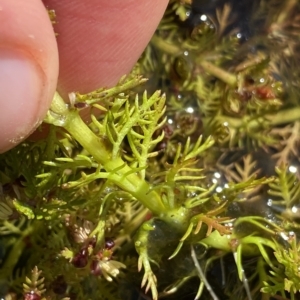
[28,68]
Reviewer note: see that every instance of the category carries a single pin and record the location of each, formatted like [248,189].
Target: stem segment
[281,117]
[120,173]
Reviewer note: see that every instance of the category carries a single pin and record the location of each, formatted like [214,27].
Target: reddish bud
[32,296]
[81,259]
[264,92]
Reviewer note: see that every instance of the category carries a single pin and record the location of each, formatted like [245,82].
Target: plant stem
[281,117]
[99,147]
[202,275]
[210,68]
[221,74]
[165,46]
[16,251]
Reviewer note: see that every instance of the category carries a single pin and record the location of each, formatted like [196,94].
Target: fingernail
[21,84]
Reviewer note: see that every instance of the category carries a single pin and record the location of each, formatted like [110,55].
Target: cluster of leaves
[232,69]
[181,187]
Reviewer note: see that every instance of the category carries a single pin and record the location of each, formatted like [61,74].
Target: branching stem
[120,173]
[282,117]
[16,251]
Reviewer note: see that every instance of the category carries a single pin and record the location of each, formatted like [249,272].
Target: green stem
[210,68]
[282,117]
[165,46]
[15,252]
[12,228]
[217,241]
[221,74]
[99,147]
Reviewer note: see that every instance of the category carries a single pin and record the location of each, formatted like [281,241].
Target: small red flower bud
[32,296]
[81,259]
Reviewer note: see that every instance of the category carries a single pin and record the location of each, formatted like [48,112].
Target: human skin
[98,41]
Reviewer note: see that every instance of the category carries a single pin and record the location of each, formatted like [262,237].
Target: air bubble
[203,18]
[292,169]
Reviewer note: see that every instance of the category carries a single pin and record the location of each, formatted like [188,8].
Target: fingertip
[28,69]
[99,41]
[21,84]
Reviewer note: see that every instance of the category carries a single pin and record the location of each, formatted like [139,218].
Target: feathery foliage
[165,188]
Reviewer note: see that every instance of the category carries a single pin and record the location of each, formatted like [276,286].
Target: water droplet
[292,169]
[217,175]
[203,18]
[284,236]
[190,110]
[219,189]
[294,209]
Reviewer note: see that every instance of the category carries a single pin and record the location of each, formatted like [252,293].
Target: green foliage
[35,284]
[200,171]
[138,124]
[285,277]
[286,189]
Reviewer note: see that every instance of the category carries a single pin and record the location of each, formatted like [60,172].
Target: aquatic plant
[189,190]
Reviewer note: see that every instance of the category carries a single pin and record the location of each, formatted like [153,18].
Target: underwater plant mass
[185,186]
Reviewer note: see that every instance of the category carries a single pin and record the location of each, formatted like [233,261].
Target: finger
[100,40]
[28,68]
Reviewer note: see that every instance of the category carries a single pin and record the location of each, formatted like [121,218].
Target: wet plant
[185,185]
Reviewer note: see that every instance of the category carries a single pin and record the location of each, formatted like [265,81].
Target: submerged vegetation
[190,190]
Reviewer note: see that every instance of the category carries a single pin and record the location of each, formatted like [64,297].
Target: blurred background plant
[196,186]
